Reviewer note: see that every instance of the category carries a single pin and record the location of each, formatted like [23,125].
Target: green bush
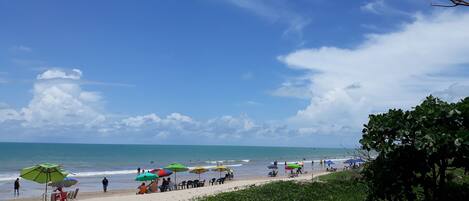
[335,186]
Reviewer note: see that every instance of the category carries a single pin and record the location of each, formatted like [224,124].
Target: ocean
[89,163]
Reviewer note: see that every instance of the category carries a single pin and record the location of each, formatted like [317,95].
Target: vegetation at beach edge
[344,185]
[422,154]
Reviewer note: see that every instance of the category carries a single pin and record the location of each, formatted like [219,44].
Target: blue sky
[289,73]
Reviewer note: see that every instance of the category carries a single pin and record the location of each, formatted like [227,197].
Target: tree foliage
[417,150]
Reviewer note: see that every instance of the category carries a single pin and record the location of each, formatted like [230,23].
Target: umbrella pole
[45,194]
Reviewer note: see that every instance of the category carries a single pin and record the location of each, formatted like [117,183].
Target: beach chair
[221,180]
[201,183]
[189,184]
[195,183]
[182,185]
[53,196]
[63,196]
[212,182]
[70,195]
[76,193]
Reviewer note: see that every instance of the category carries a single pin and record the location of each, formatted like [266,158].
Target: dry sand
[187,194]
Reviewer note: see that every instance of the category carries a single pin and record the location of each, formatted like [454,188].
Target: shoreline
[186,194]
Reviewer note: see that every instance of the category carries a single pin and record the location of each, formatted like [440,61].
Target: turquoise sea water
[90,162]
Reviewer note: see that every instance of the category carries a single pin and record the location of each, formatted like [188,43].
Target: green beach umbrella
[293,166]
[176,167]
[43,174]
[146,177]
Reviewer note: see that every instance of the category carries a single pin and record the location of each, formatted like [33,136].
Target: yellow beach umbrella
[220,169]
[199,170]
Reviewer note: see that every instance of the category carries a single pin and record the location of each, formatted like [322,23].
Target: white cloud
[60,108]
[373,6]
[21,48]
[58,100]
[453,93]
[295,88]
[253,103]
[138,121]
[178,117]
[3,105]
[386,70]
[8,114]
[380,7]
[179,128]
[276,12]
[74,74]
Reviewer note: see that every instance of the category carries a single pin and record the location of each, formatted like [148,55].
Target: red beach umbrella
[161,172]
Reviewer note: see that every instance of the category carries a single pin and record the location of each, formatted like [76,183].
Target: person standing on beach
[285,167]
[105,183]
[17,187]
[138,170]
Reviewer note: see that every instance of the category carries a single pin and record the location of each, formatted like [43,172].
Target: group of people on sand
[166,185]
[139,170]
[150,188]
[299,170]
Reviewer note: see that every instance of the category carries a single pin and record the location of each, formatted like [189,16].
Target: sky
[222,72]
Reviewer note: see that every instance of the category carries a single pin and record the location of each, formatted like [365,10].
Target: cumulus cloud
[395,69]
[138,121]
[296,88]
[58,100]
[60,109]
[179,128]
[74,74]
[453,93]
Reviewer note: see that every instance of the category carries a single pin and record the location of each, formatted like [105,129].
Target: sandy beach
[187,194]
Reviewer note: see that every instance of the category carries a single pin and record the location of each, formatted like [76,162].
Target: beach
[89,163]
[186,194]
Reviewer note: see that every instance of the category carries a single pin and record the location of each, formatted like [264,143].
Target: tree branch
[455,3]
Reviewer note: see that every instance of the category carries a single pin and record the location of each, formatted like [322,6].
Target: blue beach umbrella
[67,182]
[329,163]
[349,161]
[359,160]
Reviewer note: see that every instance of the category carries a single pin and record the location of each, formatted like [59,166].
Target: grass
[335,186]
